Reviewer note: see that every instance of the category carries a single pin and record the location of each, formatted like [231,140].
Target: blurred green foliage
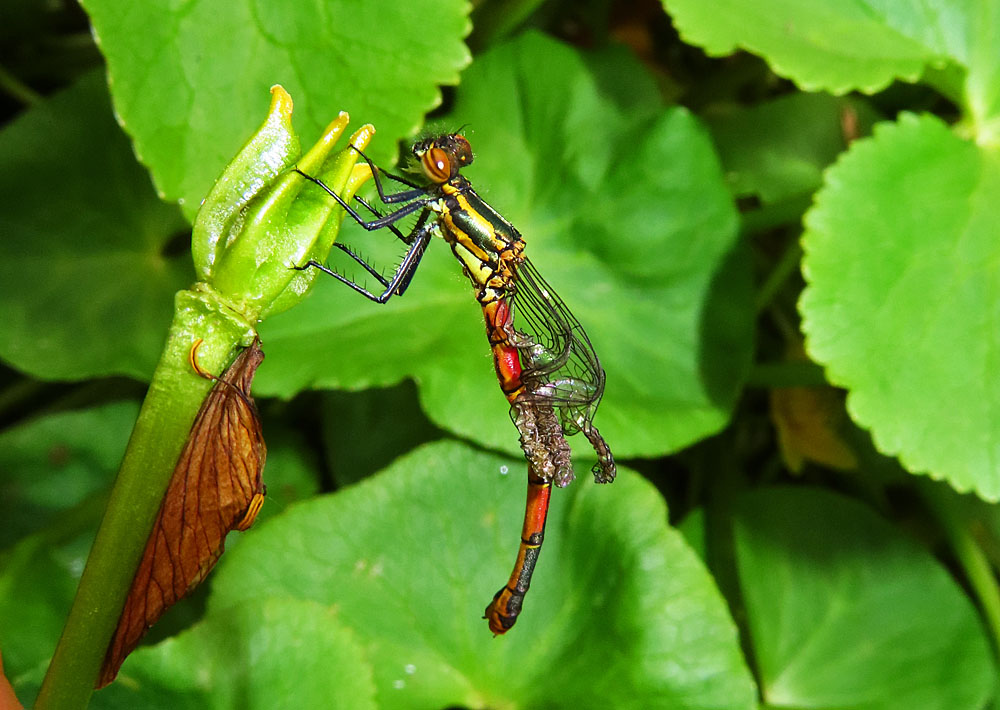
[673,170]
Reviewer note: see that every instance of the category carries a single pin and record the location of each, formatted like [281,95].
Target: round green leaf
[362,433]
[83,261]
[290,472]
[863,45]
[845,612]
[836,46]
[902,297]
[778,149]
[36,590]
[621,614]
[55,471]
[623,211]
[267,653]
[52,463]
[981,92]
[188,78]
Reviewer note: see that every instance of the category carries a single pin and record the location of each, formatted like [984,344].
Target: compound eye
[437,165]
[462,150]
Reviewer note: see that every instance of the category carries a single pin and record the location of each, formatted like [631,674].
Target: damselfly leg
[417,239]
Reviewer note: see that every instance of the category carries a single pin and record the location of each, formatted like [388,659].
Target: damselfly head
[442,157]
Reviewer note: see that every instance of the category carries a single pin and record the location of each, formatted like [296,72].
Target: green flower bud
[256,223]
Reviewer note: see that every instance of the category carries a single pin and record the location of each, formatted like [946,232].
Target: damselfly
[544,361]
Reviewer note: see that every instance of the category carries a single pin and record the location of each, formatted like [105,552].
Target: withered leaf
[811,423]
[216,487]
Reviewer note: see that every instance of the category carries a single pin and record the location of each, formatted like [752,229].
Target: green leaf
[982,84]
[902,298]
[624,212]
[56,470]
[835,46]
[55,462]
[83,262]
[267,653]
[37,582]
[188,78]
[863,45]
[621,614]
[289,473]
[778,149]
[846,612]
[389,421]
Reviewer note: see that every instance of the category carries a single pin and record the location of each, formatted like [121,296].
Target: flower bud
[257,223]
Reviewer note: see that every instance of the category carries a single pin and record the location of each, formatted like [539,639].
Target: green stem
[973,560]
[172,402]
[253,211]
[15,88]
[787,265]
[982,580]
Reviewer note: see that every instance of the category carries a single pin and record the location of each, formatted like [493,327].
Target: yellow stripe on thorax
[473,255]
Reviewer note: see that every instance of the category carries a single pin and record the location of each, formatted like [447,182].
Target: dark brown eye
[437,165]
[462,150]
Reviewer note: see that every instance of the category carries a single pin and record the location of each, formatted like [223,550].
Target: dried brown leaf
[216,487]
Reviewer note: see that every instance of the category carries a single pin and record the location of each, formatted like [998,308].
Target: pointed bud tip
[312,161]
[363,136]
[281,101]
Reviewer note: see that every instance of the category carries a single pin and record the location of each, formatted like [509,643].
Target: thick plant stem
[172,402]
[251,229]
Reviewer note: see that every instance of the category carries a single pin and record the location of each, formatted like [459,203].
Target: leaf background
[672,230]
